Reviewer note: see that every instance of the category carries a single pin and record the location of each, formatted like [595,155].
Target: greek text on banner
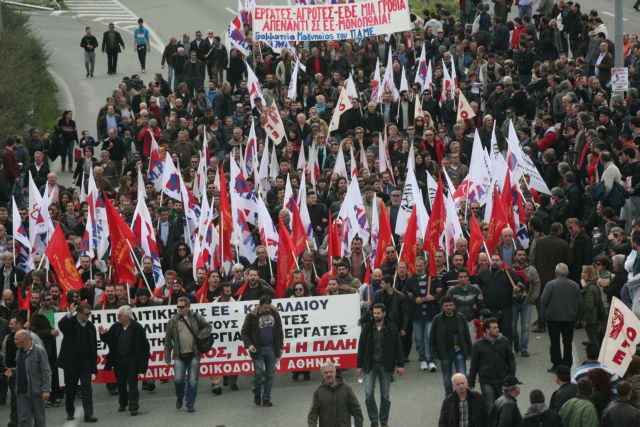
[330,22]
[316,330]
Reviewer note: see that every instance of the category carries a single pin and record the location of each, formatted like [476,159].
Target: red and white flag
[620,339]
[464,109]
[344,104]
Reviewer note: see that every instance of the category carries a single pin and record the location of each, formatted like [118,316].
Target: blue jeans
[447,363]
[192,369]
[169,75]
[370,400]
[524,311]
[264,365]
[525,10]
[421,330]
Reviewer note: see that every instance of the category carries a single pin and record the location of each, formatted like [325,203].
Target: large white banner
[330,22]
[620,339]
[316,330]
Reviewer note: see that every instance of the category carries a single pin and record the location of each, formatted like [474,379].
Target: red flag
[507,201]
[409,243]
[226,222]
[59,257]
[121,256]
[103,299]
[499,221]
[24,303]
[384,236]
[333,249]
[475,243]
[286,260]
[201,295]
[240,292]
[435,228]
[298,233]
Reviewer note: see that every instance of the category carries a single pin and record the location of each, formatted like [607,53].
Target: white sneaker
[424,366]
[432,367]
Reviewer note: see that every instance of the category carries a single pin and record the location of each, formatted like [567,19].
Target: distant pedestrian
[184,330]
[128,356]
[562,304]
[263,338]
[463,407]
[505,413]
[492,361]
[112,45]
[89,43]
[141,43]
[579,411]
[334,402]
[33,380]
[450,341]
[380,354]
[78,356]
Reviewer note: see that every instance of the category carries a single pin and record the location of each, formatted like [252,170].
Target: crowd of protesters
[548,70]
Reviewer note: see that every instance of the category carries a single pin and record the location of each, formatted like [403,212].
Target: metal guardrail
[28,6]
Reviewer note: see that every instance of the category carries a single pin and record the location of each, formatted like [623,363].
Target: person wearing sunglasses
[184,331]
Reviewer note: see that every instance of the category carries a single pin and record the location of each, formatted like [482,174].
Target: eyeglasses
[299,290]
[48,300]
[181,306]
[85,314]
[598,263]
[391,252]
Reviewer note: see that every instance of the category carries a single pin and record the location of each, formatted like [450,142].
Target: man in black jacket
[395,302]
[423,306]
[380,354]
[128,355]
[452,411]
[566,391]
[89,44]
[450,341]
[491,360]
[506,413]
[498,286]
[78,356]
[263,338]
[111,44]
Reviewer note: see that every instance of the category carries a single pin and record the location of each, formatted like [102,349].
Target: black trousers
[112,60]
[127,381]
[71,377]
[13,415]
[142,55]
[407,340]
[556,330]
[210,68]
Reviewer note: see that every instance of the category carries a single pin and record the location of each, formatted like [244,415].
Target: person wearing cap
[505,412]
[566,391]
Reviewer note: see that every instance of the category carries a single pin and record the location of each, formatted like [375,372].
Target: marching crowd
[546,74]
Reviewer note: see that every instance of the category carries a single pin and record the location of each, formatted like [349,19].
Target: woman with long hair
[67,134]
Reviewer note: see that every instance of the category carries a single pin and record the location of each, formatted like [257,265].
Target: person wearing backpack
[186,330]
[538,415]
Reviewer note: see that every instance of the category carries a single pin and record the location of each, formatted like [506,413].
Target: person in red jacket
[144,136]
[550,136]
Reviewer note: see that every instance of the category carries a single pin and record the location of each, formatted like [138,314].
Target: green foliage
[418,6]
[27,91]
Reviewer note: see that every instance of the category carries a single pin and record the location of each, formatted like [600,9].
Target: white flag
[376,87]
[292,92]
[262,181]
[388,85]
[344,104]
[404,84]
[274,127]
[620,339]
[520,164]
[253,86]
[340,166]
[464,109]
[351,87]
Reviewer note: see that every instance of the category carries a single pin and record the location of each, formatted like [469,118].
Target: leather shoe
[551,369]
[90,419]
[122,408]
[178,404]
[217,391]
[134,412]
[234,386]
[70,417]
[191,409]
[267,404]
[524,353]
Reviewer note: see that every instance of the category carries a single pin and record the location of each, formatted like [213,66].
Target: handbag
[203,344]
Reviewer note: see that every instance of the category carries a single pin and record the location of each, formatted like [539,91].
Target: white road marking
[604,12]
[68,103]
[231,11]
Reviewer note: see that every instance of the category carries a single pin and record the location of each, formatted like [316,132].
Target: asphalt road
[415,398]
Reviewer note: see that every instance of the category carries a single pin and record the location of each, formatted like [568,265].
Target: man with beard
[395,302]
[109,300]
[523,302]
[177,292]
[255,287]
[368,290]
[346,282]
[146,278]
[450,278]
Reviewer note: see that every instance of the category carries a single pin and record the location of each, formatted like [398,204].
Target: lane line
[65,91]
[231,11]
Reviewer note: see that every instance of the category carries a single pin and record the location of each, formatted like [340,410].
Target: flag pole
[133,255]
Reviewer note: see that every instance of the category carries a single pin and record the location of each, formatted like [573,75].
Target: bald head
[22,339]
[460,384]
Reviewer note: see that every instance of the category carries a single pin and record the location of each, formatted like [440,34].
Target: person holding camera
[77,358]
[185,333]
